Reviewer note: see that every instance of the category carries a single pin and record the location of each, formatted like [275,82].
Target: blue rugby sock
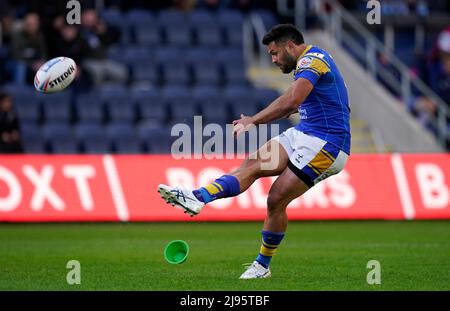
[223,187]
[270,243]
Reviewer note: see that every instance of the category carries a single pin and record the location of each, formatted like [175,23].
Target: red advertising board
[123,188]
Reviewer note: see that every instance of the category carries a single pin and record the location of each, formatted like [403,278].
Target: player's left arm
[280,108]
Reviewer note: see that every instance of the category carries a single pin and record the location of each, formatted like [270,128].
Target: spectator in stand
[95,32]
[437,76]
[10,141]
[72,44]
[28,49]
[6,25]
[439,67]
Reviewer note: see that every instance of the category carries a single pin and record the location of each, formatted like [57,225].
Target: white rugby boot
[256,271]
[182,198]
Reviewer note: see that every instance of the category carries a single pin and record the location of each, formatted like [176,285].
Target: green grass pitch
[314,256]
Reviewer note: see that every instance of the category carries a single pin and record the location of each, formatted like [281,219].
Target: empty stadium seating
[180,65]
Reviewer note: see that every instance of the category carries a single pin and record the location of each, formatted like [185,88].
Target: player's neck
[300,49]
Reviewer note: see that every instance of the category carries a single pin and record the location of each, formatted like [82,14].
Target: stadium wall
[68,188]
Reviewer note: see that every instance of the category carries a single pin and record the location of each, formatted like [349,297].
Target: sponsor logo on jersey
[304,62]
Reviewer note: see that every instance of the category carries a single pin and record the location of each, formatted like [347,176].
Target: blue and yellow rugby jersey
[325,113]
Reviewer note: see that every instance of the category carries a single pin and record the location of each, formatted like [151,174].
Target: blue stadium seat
[235,74]
[145,71]
[68,146]
[146,95]
[89,108]
[152,112]
[197,55]
[206,73]
[264,96]
[248,108]
[92,138]
[112,90]
[172,17]
[175,73]
[238,93]
[115,19]
[240,100]
[147,34]
[18,90]
[60,138]
[97,147]
[230,56]
[120,131]
[143,27]
[123,138]
[230,17]
[269,18]
[202,18]
[135,54]
[121,110]
[181,103]
[116,53]
[210,36]
[206,93]
[55,131]
[178,36]
[172,93]
[164,55]
[57,107]
[211,103]
[109,92]
[32,139]
[128,147]
[139,16]
[155,139]
[89,131]
[214,112]
[28,108]
[232,23]
[182,111]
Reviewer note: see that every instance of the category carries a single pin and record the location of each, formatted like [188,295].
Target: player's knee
[275,202]
[251,166]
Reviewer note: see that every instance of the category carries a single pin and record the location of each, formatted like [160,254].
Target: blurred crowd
[34,31]
[436,74]
[401,7]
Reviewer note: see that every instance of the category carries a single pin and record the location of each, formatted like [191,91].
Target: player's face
[280,57]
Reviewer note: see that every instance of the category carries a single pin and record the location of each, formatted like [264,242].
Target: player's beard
[288,63]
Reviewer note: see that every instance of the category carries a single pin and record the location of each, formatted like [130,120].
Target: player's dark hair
[282,33]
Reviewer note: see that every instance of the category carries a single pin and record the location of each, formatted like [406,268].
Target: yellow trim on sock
[267,251]
[218,186]
[212,190]
[268,245]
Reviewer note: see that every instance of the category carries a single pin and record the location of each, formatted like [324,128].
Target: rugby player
[302,156]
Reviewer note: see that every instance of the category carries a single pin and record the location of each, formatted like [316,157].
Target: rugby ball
[55,75]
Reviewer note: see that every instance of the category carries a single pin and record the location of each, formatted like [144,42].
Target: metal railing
[366,50]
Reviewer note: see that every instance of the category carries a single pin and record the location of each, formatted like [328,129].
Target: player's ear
[290,47]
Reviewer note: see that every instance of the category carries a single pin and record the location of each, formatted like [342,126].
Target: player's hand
[242,125]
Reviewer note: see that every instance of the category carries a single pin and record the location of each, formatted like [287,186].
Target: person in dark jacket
[10,140]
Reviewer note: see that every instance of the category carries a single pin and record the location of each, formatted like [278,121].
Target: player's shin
[223,187]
